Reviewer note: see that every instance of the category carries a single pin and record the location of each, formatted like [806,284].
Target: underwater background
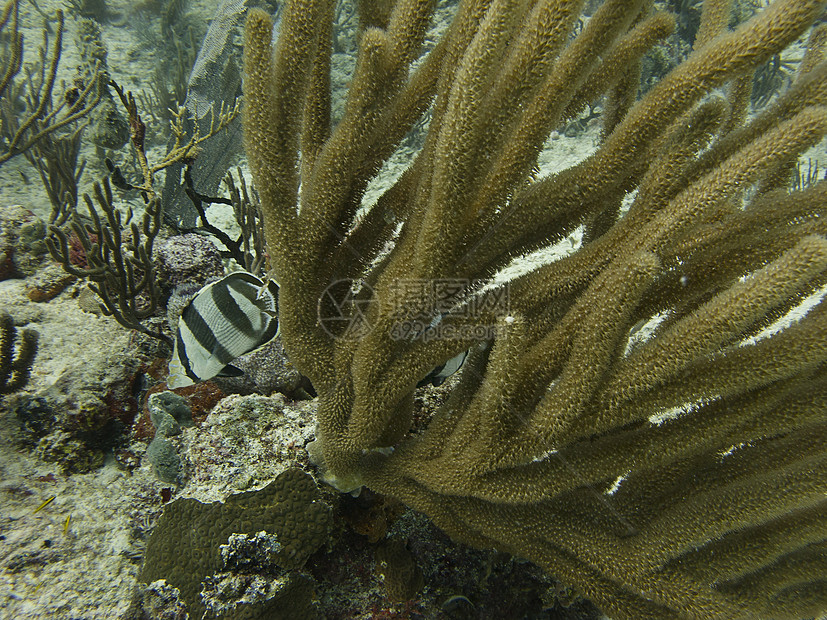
[94,447]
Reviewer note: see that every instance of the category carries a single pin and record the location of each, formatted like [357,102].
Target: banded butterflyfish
[439,374]
[226,319]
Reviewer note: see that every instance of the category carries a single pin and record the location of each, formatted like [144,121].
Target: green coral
[166,464]
[32,235]
[185,547]
[627,413]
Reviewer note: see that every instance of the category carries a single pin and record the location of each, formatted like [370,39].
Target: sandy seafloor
[79,556]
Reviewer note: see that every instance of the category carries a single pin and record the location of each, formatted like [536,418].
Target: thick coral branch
[634,407]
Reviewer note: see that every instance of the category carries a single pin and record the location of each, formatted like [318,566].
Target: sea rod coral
[633,419]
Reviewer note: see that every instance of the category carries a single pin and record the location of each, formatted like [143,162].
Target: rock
[187,259]
[22,246]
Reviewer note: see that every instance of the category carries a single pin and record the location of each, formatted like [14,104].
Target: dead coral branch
[184,147]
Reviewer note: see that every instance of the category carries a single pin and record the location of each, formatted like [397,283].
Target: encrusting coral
[673,471]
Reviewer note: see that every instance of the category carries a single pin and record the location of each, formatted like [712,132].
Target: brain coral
[184,547]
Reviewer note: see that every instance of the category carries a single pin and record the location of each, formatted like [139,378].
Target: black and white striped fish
[226,319]
[439,374]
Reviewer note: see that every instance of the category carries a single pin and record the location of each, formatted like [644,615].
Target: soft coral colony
[720,508]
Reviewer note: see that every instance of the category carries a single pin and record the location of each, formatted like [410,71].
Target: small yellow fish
[46,503]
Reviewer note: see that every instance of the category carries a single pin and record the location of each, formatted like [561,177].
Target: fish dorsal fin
[230,371]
